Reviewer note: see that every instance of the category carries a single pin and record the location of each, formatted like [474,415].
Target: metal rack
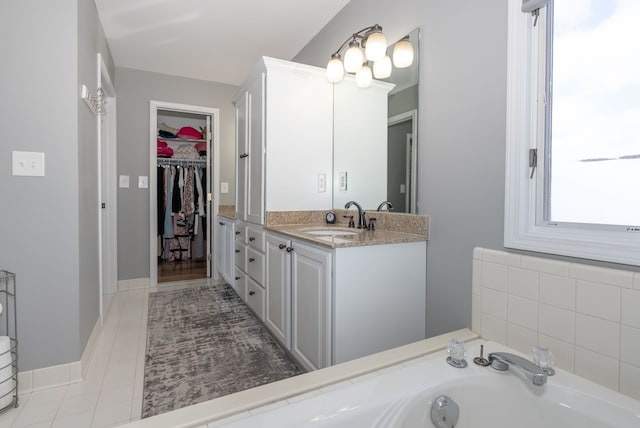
[8,327]
[182,162]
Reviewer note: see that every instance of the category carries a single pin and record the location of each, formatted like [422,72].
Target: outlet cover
[224,187]
[123,181]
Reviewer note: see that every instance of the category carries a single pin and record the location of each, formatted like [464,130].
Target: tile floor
[111,392]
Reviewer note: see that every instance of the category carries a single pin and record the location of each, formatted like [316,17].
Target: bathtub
[401,396]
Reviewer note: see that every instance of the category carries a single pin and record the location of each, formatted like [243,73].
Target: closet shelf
[181,140]
[182,162]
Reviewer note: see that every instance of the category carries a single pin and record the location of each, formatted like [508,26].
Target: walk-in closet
[183,175]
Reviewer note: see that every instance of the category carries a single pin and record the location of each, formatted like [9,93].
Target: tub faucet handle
[457,354]
[544,358]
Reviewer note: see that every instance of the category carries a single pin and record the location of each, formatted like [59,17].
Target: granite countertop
[356,238]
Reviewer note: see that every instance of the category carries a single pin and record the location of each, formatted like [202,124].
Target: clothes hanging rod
[182,162]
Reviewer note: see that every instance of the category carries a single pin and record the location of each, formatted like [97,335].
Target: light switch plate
[143,182]
[27,163]
[123,181]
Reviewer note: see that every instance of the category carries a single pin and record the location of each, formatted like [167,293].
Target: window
[574,104]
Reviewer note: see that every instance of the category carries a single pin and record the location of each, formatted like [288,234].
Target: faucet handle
[543,358]
[372,225]
[457,354]
[351,223]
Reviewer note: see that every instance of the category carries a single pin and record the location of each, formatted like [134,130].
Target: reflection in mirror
[375,139]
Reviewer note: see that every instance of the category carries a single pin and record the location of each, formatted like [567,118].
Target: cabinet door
[311,305]
[278,287]
[229,251]
[255,168]
[221,249]
[242,154]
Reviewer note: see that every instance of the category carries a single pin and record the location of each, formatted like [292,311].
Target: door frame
[213,187]
[411,115]
[107,190]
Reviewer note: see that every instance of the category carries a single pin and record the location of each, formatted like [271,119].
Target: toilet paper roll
[1,308]
[7,383]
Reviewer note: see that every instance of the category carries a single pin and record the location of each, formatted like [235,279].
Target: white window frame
[523,227]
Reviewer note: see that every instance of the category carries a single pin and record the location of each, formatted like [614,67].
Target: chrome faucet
[387,203]
[362,221]
[504,360]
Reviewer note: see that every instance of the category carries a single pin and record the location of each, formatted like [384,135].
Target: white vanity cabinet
[224,250]
[344,303]
[284,132]
[250,266]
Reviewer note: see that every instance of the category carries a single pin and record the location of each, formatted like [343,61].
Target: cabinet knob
[251,238]
[237,278]
[251,293]
[289,249]
[282,246]
[251,259]
[237,233]
[221,223]
[244,155]
[237,251]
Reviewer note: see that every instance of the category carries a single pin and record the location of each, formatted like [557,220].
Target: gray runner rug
[203,343]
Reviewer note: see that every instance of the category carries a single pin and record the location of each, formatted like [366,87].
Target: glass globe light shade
[376,46]
[353,58]
[363,77]
[403,54]
[335,69]
[382,68]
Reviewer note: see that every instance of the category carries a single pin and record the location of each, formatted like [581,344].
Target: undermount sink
[330,232]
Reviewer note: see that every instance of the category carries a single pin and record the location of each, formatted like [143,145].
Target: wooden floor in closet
[181,270]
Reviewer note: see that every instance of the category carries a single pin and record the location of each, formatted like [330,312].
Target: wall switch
[403,188]
[143,182]
[27,163]
[342,181]
[123,181]
[224,187]
[322,183]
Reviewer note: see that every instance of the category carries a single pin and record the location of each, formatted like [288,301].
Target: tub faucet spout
[504,360]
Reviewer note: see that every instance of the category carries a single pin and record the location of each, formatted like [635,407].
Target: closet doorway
[183,185]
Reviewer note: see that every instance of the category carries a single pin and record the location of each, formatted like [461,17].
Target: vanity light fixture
[374,43]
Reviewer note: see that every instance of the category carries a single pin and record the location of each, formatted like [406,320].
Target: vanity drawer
[240,255]
[256,238]
[255,298]
[241,231]
[240,283]
[255,265]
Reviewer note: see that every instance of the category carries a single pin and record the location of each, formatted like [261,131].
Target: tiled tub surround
[390,228]
[588,316]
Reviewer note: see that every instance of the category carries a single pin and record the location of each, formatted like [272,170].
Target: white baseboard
[134,284]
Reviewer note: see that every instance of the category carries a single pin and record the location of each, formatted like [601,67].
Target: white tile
[521,339]
[523,312]
[494,329]
[494,303]
[494,276]
[476,277]
[123,284]
[475,312]
[596,367]
[501,257]
[77,420]
[630,345]
[630,380]
[8,417]
[540,264]
[563,352]
[78,404]
[51,395]
[556,322]
[636,280]
[621,278]
[45,424]
[557,290]
[51,376]
[118,375]
[598,335]
[523,283]
[597,300]
[25,382]
[113,396]
[112,415]
[36,413]
[630,308]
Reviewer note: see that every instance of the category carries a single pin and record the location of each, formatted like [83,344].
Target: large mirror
[375,139]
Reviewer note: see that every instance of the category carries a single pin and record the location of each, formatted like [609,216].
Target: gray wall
[135,89]
[43,228]
[461,131]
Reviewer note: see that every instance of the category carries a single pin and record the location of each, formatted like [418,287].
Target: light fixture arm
[359,36]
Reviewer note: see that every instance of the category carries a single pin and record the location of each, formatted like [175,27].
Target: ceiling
[216,40]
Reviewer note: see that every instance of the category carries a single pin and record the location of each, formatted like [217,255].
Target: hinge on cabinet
[533,160]
[208,256]
[209,197]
